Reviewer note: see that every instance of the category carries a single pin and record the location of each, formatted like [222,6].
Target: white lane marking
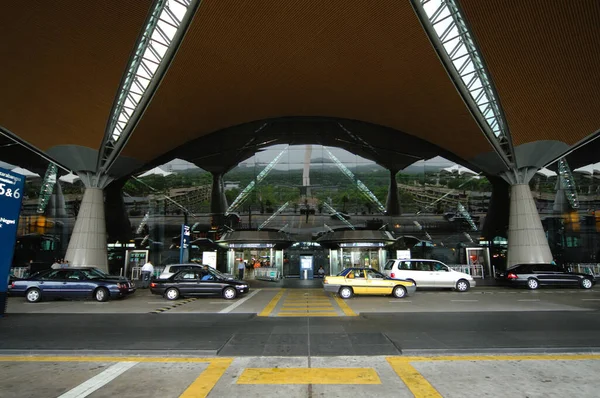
[238,303]
[100,380]
[400,301]
[590,299]
[464,301]
[529,300]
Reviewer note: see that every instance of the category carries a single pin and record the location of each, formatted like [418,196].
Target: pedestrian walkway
[304,376]
[306,303]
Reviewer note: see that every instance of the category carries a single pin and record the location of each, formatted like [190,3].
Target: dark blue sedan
[84,282]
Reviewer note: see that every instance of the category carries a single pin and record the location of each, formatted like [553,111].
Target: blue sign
[11,194]
[184,252]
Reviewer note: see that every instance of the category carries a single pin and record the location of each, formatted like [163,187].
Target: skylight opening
[451,30]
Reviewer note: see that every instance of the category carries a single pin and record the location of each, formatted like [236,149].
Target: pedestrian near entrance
[147,271]
[241,267]
[321,271]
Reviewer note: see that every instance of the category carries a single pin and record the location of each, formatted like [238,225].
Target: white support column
[87,246]
[527,242]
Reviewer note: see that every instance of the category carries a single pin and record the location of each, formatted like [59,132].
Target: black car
[198,282]
[80,282]
[536,275]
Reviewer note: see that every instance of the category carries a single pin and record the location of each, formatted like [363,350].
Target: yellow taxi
[353,281]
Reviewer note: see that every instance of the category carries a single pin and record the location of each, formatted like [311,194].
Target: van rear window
[389,265]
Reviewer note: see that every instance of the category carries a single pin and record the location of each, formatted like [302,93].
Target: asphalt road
[249,335]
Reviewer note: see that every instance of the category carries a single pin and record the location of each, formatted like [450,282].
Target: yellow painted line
[345,307]
[549,357]
[272,304]
[18,358]
[202,386]
[305,307]
[309,376]
[414,380]
[308,314]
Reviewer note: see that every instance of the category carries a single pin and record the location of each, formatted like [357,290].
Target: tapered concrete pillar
[561,204]
[527,242]
[56,205]
[392,204]
[87,246]
[496,219]
[218,200]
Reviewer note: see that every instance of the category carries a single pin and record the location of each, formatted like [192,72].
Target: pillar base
[527,242]
[87,246]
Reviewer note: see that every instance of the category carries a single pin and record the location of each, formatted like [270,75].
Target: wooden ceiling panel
[544,58]
[245,60]
[61,63]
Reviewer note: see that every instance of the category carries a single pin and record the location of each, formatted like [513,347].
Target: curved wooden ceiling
[544,58]
[242,61]
[61,63]
[367,60]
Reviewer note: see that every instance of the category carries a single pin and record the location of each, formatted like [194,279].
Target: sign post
[11,194]
[184,251]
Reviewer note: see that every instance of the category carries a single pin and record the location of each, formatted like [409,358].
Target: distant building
[229,185]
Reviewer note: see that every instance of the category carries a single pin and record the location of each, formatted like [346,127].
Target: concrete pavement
[395,376]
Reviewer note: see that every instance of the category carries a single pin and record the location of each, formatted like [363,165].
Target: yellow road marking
[308,314]
[421,388]
[549,357]
[272,304]
[19,358]
[309,376]
[416,383]
[345,307]
[207,380]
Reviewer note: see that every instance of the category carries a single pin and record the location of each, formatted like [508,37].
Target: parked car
[428,273]
[198,282]
[172,269]
[536,275]
[353,281]
[80,282]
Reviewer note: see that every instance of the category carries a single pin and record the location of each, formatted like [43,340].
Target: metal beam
[155,49]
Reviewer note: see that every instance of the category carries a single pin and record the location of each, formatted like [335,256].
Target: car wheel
[101,294]
[463,285]
[346,292]
[172,294]
[33,295]
[586,283]
[229,293]
[399,291]
[532,283]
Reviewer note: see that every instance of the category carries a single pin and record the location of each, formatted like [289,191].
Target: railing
[590,269]
[136,272]
[475,270]
[267,273]
[18,272]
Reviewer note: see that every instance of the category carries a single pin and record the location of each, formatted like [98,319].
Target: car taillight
[393,275]
[153,284]
[12,285]
[511,276]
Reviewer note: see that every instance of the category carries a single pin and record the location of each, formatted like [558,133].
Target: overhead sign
[363,244]
[403,254]
[11,194]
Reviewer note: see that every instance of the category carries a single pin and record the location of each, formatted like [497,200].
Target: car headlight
[242,286]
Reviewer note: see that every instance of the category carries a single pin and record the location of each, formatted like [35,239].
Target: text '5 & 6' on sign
[10,192]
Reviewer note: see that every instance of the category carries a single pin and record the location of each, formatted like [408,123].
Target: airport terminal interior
[215,198]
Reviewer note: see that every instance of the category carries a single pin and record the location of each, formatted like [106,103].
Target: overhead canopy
[245,62]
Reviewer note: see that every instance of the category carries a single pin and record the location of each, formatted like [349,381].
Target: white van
[428,273]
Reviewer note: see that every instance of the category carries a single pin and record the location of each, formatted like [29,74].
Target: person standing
[147,271]
[241,267]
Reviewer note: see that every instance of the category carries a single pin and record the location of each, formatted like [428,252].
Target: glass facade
[305,195]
